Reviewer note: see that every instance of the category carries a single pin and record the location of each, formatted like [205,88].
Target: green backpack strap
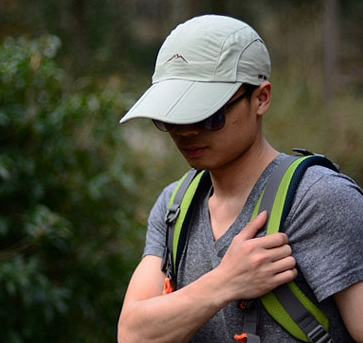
[179,203]
[287,304]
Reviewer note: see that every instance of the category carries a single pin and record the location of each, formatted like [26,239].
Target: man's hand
[252,267]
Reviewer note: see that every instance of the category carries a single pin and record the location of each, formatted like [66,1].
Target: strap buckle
[319,335]
[172,214]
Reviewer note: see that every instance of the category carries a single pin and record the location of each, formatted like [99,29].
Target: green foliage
[300,117]
[68,235]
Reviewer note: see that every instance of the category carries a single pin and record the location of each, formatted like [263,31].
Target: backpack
[287,304]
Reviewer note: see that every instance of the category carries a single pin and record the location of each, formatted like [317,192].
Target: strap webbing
[272,186]
[174,209]
[314,331]
[181,197]
[277,200]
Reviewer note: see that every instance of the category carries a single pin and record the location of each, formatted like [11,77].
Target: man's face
[218,149]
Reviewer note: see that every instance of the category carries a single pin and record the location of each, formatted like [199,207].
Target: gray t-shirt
[325,230]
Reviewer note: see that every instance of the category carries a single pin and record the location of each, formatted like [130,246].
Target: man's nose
[187,130]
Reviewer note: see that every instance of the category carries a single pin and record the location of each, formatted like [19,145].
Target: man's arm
[350,304]
[149,316]
[250,268]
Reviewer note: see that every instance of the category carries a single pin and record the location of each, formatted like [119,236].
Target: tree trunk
[331,36]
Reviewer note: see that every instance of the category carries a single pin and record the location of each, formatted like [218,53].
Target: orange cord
[242,338]
[168,288]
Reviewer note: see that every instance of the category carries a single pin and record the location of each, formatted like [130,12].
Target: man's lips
[193,151]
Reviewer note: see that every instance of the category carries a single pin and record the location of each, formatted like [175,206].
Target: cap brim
[181,101]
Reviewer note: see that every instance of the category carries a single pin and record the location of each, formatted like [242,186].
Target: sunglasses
[213,123]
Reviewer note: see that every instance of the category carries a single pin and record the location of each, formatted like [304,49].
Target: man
[210,92]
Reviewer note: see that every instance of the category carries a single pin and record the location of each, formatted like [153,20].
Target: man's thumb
[256,224]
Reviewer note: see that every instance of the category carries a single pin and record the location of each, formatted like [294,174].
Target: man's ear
[264,94]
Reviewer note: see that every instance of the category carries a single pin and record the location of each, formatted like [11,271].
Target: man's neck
[232,186]
[237,179]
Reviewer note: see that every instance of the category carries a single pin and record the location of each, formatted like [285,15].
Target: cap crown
[213,48]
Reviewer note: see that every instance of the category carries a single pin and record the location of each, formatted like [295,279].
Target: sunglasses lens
[214,122]
[165,127]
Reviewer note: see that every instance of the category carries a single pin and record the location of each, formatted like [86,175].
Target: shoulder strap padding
[287,304]
[187,188]
[278,196]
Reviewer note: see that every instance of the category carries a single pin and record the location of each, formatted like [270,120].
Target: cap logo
[263,77]
[176,57]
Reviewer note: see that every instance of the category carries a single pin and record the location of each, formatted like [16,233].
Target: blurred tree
[68,233]
[331,42]
[124,35]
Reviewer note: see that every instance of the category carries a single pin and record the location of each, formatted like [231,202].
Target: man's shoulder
[324,181]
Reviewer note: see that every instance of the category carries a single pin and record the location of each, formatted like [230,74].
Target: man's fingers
[256,224]
[276,253]
[251,229]
[285,276]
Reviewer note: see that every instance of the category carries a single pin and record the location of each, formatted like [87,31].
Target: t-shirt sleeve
[325,229]
[155,235]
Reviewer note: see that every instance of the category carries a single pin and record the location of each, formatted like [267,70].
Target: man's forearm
[171,318]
